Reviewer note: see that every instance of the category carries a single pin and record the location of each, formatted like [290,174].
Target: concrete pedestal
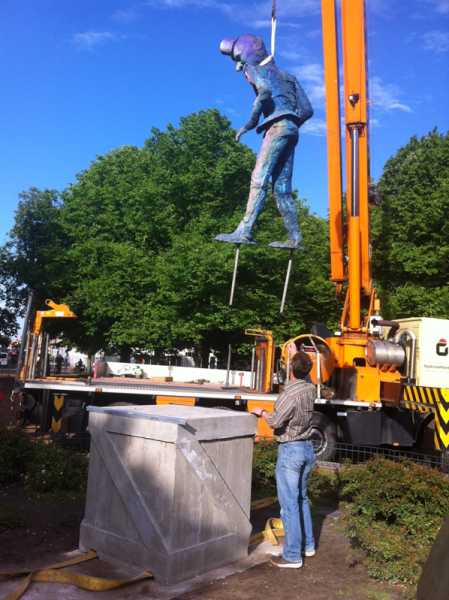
[169,488]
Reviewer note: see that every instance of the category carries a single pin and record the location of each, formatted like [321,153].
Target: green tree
[129,208]
[9,299]
[33,257]
[130,246]
[411,229]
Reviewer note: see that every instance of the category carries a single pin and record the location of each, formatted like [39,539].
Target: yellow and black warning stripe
[58,406]
[425,400]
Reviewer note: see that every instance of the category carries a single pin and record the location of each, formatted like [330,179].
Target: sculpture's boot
[256,200]
[287,208]
[236,237]
[290,244]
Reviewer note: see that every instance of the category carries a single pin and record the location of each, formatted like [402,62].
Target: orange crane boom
[358,271]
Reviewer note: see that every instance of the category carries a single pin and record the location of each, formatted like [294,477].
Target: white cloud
[314,127]
[311,76]
[89,40]
[291,55]
[266,23]
[126,15]
[385,96]
[441,6]
[261,24]
[226,108]
[214,4]
[257,14]
[293,8]
[436,41]
[313,34]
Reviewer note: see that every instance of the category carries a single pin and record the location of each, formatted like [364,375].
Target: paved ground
[36,534]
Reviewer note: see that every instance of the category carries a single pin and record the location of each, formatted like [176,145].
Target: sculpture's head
[247,49]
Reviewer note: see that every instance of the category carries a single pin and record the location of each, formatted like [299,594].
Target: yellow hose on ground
[54,574]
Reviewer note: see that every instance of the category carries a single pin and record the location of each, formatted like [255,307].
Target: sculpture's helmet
[246,49]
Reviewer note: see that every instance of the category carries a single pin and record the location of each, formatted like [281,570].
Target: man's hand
[257,411]
[239,133]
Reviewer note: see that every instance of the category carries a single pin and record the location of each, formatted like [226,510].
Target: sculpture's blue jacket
[279,95]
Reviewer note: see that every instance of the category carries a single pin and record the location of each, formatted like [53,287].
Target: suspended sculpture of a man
[285,107]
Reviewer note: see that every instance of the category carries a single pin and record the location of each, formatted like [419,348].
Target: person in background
[291,420]
[58,362]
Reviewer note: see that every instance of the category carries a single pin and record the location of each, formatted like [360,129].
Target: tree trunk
[202,352]
[89,364]
[125,354]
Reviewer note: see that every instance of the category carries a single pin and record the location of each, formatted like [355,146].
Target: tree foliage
[130,246]
[33,257]
[411,229]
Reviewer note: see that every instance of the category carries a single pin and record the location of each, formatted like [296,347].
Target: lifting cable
[273,27]
[237,249]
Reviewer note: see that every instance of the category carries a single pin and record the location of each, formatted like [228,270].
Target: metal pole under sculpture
[285,107]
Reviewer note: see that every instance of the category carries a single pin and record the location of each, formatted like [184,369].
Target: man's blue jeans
[294,464]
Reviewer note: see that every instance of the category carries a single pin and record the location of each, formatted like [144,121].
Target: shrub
[394,512]
[16,451]
[323,487]
[56,470]
[264,464]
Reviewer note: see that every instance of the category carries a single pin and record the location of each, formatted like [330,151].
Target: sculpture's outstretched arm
[263,95]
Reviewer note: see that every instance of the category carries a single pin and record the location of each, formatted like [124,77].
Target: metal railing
[347,453]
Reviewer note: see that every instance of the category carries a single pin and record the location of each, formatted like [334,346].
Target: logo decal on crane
[441,348]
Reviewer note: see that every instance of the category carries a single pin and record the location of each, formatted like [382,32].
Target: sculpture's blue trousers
[275,162]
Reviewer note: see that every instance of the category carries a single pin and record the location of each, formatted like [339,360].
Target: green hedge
[323,486]
[43,467]
[393,512]
[264,464]
[56,470]
[16,451]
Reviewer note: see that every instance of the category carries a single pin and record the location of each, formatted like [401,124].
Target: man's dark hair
[301,364]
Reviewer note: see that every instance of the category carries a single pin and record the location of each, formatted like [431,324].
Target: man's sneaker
[280,562]
[309,553]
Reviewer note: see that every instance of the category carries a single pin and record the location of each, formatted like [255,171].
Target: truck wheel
[324,436]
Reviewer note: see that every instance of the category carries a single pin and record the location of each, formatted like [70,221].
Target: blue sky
[81,78]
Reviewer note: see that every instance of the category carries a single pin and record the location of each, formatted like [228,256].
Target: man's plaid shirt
[292,415]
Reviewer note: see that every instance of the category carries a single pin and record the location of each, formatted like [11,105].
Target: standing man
[58,361]
[292,424]
[285,107]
